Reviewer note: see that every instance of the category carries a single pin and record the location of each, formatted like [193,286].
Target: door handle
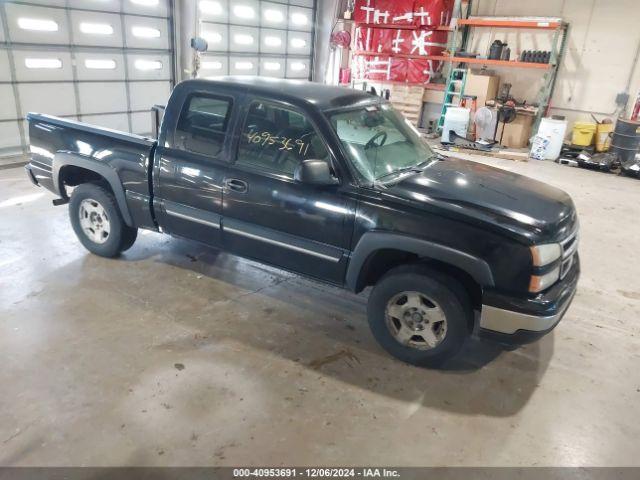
[236,185]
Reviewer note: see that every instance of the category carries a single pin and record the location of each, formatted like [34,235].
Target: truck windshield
[380,142]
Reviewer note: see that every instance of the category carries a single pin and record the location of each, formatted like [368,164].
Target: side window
[276,140]
[202,124]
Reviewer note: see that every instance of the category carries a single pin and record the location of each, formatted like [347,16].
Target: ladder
[456,81]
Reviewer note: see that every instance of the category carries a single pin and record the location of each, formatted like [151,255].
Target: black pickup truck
[331,183]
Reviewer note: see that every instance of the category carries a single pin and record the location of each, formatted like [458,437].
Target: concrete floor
[176,354]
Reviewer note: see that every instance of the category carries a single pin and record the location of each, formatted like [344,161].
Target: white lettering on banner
[377,63]
[407,16]
[378,14]
[419,42]
[397,41]
[368,9]
[422,14]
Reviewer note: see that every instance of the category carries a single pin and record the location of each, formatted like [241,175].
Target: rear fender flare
[371,242]
[64,159]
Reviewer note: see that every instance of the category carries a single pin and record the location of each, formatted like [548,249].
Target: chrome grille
[569,248]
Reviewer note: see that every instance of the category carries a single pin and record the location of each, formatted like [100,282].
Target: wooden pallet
[408,100]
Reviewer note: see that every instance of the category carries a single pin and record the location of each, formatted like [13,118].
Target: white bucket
[456,119]
[554,131]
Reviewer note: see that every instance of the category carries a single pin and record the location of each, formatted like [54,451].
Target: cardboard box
[518,132]
[485,87]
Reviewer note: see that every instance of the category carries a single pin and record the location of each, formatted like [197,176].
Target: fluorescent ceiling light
[43,63]
[271,66]
[211,65]
[297,66]
[212,37]
[272,41]
[299,18]
[273,15]
[100,64]
[243,39]
[38,24]
[97,28]
[142,64]
[210,8]
[146,3]
[243,11]
[145,32]
[298,42]
[244,65]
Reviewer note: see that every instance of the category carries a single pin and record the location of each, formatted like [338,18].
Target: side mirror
[315,172]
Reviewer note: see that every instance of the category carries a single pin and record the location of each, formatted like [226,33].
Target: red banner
[421,13]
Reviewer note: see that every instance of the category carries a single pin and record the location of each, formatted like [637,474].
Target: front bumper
[520,320]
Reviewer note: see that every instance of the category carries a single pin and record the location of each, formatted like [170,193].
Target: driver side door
[273,218]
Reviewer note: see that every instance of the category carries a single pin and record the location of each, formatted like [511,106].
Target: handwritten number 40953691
[284,143]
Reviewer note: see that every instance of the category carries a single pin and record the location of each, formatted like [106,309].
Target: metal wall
[104,62]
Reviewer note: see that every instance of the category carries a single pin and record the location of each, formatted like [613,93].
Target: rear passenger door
[191,166]
[271,217]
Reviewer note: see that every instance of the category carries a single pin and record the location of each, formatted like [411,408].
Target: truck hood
[506,199]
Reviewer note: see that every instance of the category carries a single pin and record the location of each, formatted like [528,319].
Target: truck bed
[62,148]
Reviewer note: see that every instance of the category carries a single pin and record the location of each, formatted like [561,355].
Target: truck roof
[324,97]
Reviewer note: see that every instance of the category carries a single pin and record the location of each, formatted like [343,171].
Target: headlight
[540,282]
[545,254]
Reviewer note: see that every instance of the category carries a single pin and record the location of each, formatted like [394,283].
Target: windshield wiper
[411,168]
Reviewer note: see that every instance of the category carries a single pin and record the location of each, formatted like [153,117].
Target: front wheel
[97,221]
[419,315]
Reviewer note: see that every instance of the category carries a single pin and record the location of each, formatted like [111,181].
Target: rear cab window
[202,124]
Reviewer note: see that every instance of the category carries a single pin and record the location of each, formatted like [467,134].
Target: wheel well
[381,261]
[72,176]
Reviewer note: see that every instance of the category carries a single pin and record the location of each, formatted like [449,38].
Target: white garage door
[255,37]
[104,62]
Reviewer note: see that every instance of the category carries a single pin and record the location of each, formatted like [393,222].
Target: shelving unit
[556,25]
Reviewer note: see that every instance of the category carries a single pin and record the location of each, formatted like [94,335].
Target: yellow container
[583,133]
[603,136]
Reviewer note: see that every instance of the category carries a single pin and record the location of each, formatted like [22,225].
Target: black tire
[120,236]
[446,293]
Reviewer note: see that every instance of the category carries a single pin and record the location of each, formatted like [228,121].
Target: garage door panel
[97,97]
[42,65]
[214,10]
[244,39]
[51,98]
[149,67]
[273,41]
[212,65]
[144,32]
[96,29]
[29,24]
[114,121]
[298,67]
[5,72]
[9,135]
[8,106]
[141,123]
[302,3]
[299,43]
[216,35]
[244,12]
[100,66]
[157,8]
[106,5]
[300,18]
[273,67]
[241,65]
[146,94]
[274,15]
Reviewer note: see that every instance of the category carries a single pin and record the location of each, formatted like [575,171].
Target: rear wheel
[419,315]
[97,221]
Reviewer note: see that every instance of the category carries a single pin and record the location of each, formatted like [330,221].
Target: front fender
[62,159]
[371,242]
